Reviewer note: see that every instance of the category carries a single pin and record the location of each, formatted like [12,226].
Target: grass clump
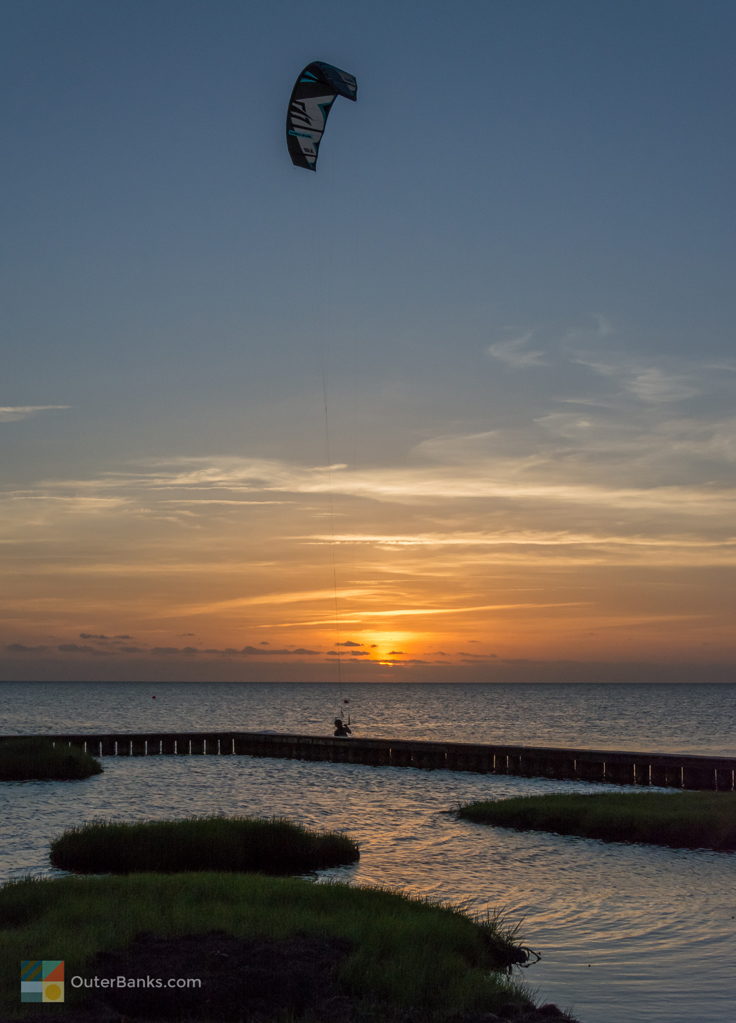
[25,759]
[380,955]
[691,820]
[246,844]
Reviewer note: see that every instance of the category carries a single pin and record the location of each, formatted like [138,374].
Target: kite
[311,100]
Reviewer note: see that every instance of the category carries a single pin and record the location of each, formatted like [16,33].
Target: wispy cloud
[363,616]
[649,383]
[516,353]
[653,384]
[12,413]
[266,599]
[562,459]
[520,538]
[420,611]
[667,379]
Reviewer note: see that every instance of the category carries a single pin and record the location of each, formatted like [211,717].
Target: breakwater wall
[614,766]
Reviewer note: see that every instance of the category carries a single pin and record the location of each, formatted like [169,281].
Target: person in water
[341,729]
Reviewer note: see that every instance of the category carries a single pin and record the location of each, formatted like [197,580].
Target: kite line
[315,90]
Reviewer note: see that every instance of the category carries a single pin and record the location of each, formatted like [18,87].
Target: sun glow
[386,646]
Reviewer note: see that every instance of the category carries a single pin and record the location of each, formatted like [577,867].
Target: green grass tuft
[691,820]
[25,759]
[245,844]
[398,951]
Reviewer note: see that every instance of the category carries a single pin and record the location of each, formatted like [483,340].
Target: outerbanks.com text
[135,982]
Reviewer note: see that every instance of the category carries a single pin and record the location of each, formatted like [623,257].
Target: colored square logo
[42,980]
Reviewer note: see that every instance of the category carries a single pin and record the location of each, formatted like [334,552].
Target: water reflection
[628,934]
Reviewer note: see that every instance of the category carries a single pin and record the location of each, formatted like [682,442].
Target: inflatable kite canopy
[314,92]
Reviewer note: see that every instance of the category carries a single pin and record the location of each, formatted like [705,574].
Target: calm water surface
[628,933]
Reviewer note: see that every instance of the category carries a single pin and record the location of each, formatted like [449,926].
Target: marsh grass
[692,820]
[25,759]
[400,951]
[272,846]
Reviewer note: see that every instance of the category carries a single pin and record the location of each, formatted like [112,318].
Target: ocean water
[627,933]
[658,717]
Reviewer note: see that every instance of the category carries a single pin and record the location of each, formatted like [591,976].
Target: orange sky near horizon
[196,565]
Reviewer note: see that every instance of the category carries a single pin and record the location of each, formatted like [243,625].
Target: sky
[457,407]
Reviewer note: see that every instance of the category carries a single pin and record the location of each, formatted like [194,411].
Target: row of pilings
[619,767]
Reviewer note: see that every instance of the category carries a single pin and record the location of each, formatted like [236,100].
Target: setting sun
[387,646]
